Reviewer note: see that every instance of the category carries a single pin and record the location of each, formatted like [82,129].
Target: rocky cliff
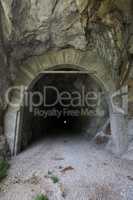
[32,27]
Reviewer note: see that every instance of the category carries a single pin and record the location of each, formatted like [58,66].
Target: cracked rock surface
[47,24]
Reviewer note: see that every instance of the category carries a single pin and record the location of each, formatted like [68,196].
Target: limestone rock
[105,8]
[124,6]
[4,74]
[66,28]
[82,4]
[130,45]
[43,24]
[5,9]
[32,27]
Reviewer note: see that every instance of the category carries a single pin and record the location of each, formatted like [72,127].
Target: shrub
[3,168]
[41,197]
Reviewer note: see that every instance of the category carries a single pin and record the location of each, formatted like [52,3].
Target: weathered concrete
[11,125]
[119,132]
[119,120]
[27,75]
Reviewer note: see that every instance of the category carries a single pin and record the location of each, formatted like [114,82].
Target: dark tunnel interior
[60,106]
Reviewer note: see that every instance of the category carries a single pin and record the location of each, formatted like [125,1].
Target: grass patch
[55,179]
[41,197]
[4,166]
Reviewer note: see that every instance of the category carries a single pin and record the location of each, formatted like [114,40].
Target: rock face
[32,27]
[3,83]
[3,87]
[46,24]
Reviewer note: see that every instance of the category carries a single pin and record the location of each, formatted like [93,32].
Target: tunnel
[62,101]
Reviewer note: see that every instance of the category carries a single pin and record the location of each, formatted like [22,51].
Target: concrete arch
[88,61]
[31,69]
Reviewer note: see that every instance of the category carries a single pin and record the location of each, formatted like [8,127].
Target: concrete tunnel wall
[83,119]
[30,70]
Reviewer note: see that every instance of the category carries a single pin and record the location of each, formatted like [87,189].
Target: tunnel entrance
[62,101]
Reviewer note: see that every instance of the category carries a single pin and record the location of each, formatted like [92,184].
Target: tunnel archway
[32,69]
[73,114]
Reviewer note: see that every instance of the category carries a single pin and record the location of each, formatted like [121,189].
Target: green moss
[3,168]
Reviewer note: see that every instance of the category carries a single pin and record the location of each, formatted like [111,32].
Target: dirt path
[85,172]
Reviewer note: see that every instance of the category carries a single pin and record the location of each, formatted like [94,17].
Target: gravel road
[85,171]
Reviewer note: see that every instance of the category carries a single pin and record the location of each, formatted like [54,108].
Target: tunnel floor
[83,169]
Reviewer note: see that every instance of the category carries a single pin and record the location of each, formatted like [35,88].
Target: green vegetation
[4,166]
[55,179]
[41,197]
